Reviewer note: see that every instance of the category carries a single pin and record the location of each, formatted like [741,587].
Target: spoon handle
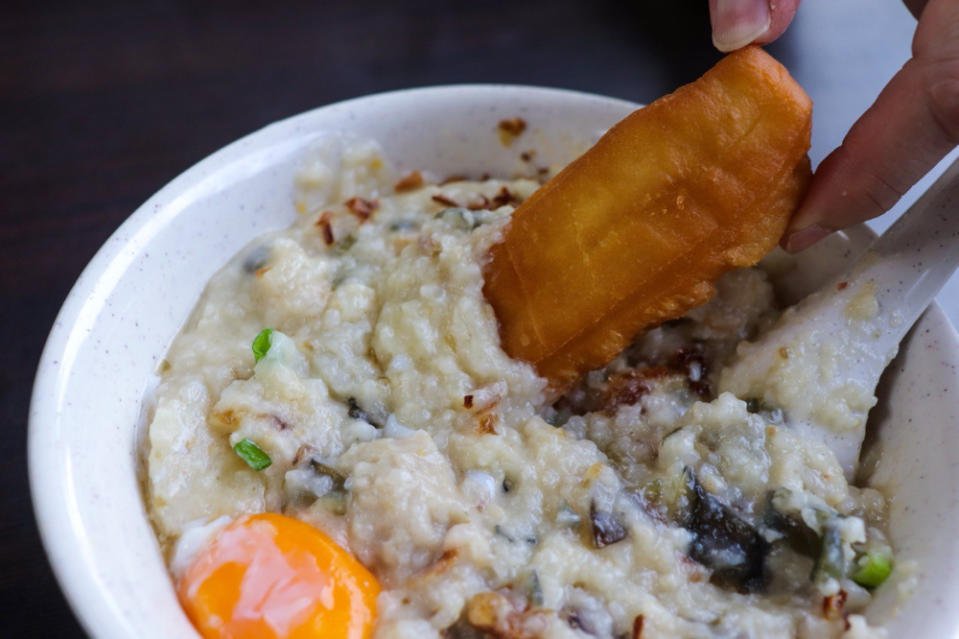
[916,256]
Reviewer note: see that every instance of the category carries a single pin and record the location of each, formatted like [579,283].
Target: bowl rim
[56,521]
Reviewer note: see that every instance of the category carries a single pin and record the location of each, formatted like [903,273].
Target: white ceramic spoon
[821,362]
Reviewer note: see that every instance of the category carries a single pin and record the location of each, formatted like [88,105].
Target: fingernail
[736,23]
[803,239]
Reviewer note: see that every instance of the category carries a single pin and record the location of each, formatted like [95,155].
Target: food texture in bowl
[348,373]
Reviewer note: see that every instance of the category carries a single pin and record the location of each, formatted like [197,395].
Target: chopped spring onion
[874,568]
[261,343]
[252,454]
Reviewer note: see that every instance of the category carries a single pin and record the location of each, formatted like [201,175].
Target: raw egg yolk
[271,576]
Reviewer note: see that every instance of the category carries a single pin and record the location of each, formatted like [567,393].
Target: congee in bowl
[348,373]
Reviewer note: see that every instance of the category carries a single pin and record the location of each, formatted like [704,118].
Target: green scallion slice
[252,454]
[261,343]
[874,568]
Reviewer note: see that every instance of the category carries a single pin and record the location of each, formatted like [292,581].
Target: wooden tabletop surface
[100,106]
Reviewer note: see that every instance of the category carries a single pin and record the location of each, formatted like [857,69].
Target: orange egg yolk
[271,576]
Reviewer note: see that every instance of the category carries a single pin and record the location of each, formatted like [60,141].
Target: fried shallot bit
[637,230]
[303,452]
[694,571]
[638,626]
[338,478]
[486,424]
[439,198]
[441,565]
[324,222]
[409,182]
[362,207]
[627,388]
[832,606]
[496,615]
[504,197]
[453,178]
[510,129]
[486,397]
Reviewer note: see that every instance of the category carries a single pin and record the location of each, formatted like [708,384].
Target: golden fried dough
[636,230]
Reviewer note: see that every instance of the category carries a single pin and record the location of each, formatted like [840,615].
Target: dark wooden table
[101,105]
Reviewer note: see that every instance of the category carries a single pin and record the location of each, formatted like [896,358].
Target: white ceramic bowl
[136,293]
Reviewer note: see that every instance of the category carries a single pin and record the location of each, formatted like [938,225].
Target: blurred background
[103,103]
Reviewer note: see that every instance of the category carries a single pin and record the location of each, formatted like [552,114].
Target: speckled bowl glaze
[129,303]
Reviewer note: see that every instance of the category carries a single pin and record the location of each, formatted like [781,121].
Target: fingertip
[736,23]
[844,191]
[801,239]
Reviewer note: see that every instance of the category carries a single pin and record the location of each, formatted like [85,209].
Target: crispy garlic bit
[270,576]
[636,230]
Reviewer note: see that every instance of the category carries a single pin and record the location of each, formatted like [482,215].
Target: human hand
[912,125]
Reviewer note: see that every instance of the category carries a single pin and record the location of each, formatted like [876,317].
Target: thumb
[912,125]
[737,23]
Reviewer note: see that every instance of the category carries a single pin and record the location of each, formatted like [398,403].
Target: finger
[915,6]
[737,23]
[911,126]
[781,14]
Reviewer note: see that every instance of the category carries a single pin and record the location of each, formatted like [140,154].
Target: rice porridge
[641,503]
